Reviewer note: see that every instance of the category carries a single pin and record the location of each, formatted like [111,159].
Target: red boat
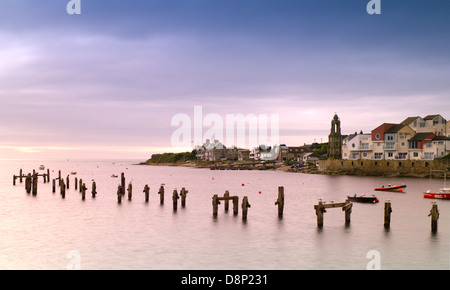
[444,193]
[398,188]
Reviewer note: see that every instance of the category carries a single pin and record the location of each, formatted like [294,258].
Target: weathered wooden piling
[20,175]
[119,194]
[215,204]
[321,209]
[59,177]
[183,194]
[35,184]
[175,198]
[434,213]
[130,191]
[48,175]
[14,180]
[122,182]
[53,185]
[81,184]
[76,183]
[235,204]
[67,182]
[83,191]
[280,201]
[94,189]
[62,189]
[347,208]
[28,181]
[161,194]
[245,206]
[147,192]
[226,197]
[387,214]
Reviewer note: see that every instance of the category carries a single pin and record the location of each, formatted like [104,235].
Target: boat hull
[363,199]
[436,195]
[397,188]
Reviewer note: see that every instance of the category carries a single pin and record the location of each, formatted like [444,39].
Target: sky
[106,83]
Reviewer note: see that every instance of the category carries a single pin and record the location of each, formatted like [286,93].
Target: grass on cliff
[172,157]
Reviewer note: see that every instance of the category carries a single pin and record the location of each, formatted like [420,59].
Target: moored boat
[42,167]
[397,188]
[363,198]
[443,193]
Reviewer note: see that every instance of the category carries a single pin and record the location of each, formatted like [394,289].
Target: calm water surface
[40,232]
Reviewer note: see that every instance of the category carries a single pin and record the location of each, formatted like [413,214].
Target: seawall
[388,168]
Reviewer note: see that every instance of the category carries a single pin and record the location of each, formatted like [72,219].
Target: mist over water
[39,232]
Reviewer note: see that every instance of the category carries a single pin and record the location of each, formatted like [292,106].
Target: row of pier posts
[347,206]
[31,185]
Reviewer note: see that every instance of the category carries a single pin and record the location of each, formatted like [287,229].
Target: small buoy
[243,184]
[213,178]
[260,192]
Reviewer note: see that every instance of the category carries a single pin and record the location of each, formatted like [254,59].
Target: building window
[377,136]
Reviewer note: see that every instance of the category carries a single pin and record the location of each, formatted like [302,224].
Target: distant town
[414,138]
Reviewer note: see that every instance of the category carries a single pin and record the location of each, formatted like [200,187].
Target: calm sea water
[48,232]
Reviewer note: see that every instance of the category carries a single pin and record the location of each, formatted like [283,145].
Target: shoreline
[304,170]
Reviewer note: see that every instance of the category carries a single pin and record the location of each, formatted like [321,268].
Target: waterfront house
[435,124]
[215,151]
[396,141]
[357,146]
[420,146]
[243,155]
[295,153]
[378,141]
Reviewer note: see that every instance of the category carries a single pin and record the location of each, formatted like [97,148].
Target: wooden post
[387,214]
[147,192]
[175,198]
[21,173]
[280,201]
[67,182]
[183,194]
[348,210]
[245,206]
[35,184]
[320,210]
[122,180]
[28,182]
[235,205]
[76,183]
[119,194]
[94,189]
[48,175]
[161,194]
[81,184]
[83,191]
[434,213]
[215,203]
[62,188]
[226,195]
[59,177]
[53,185]
[14,180]
[130,191]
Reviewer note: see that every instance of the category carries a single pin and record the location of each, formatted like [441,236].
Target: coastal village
[414,138]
